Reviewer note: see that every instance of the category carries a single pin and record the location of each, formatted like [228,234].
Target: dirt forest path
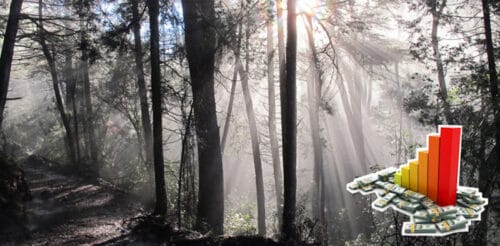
[70,210]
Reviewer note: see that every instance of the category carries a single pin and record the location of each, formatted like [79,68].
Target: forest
[237,122]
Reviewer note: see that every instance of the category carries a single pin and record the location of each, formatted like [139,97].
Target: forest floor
[69,210]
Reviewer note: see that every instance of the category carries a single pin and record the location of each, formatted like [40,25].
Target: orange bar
[414,175]
[433,167]
[422,171]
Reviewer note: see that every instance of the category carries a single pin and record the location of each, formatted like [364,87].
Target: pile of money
[365,183]
[470,200]
[426,216]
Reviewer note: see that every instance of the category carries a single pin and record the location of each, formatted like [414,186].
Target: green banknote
[415,196]
[454,224]
[367,188]
[353,186]
[467,213]
[381,202]
[398,189]
[385,174]
[474,207]
[438,212]
[389,196]
[408,206]
[466,193]
[475,200]
[367,180]
[427,203]
[379,184]
[412,228]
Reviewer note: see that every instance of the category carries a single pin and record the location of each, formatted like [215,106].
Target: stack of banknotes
[426,216]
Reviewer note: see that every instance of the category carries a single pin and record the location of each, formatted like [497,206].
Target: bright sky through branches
[306,6]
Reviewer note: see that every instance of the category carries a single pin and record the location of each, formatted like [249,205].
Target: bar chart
[435,171]
[426,188]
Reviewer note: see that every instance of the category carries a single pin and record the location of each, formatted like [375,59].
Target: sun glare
[306,6]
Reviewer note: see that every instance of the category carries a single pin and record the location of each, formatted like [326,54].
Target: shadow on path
[67,210]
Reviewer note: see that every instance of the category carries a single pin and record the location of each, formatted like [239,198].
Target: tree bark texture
[88,121]
[55,84]
[8,52]
[485,173]
[231,96]
[161,194]
[289,127]
[314,101]
[254,137]
[273,135]
[437,11]
[199,20]
[141,84]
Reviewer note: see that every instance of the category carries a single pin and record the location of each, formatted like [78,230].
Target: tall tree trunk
[437,11]
[289,127]
[355,90]
[184,158]
[314,100]
[281,44]
[492,74]
[231,97]
[485,173]
[161,194]
[199,20]
[69,77]
[273,135]
[70,98]
[254,136]
[141,84]
[55,84]
[229,109]
[88,120]
[400,115]
[8,52]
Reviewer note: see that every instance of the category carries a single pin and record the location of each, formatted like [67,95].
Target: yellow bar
[414,175]
[397,178]
[405,176]
[423,156]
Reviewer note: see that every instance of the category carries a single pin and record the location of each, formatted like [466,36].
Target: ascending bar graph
[426,189]
[435,171]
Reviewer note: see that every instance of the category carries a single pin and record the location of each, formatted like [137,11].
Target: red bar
[449,157]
